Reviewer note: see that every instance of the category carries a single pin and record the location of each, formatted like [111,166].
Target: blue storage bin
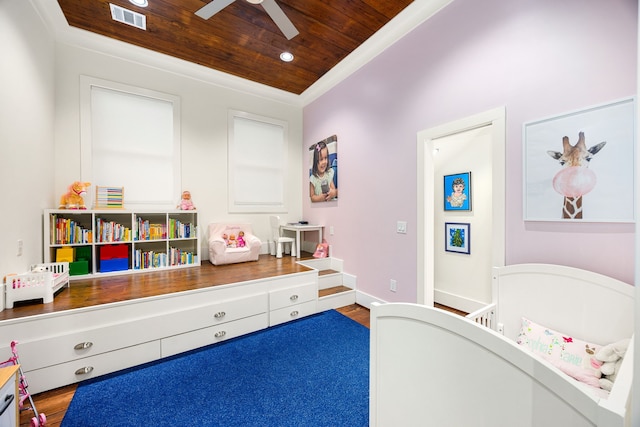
[114,264]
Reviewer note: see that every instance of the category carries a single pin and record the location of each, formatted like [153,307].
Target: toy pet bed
[42,282]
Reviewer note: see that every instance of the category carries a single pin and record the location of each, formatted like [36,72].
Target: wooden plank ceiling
[242,40]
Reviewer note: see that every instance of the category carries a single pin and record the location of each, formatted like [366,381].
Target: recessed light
[286,56]
[141,3]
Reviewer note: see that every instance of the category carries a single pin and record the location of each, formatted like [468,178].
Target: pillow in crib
[572,356]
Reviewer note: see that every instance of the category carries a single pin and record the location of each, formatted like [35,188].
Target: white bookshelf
[164,239]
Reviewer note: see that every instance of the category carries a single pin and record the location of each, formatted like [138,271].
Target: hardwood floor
[110,289]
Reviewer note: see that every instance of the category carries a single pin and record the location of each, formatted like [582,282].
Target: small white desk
[301,228]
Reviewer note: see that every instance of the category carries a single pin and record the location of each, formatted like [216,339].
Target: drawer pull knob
[84,371]
[220,334]
[293,297]
[83,345]
[294,313]
[219,314]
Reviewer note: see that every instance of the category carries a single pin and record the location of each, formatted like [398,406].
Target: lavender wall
[537,58]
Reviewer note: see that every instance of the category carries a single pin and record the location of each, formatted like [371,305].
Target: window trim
[86,167]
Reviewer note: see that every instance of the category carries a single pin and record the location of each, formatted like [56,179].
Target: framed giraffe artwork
[579,166]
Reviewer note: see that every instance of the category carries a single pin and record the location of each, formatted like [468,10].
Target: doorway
[476,143]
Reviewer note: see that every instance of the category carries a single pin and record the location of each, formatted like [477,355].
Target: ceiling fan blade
[281,20]
[212,8]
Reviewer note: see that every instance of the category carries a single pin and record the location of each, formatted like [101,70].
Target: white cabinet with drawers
[292,303]
[62,348]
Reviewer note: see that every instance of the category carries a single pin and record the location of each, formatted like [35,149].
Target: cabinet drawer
[291,313]
[81,344]
[89,367]
[226,311]
[291,296]
[64,348]
[211,335]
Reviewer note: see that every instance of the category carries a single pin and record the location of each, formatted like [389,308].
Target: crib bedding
[427,364]
[571,355]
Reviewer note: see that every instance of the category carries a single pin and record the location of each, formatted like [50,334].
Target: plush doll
[241,242]
[186,204]
[232,241]
[72,199]
[226,239]
[322,250]
[611,356]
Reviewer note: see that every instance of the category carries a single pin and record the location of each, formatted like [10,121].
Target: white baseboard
[366,300]
[458,302]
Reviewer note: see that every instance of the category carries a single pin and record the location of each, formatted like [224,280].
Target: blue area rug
[309,372]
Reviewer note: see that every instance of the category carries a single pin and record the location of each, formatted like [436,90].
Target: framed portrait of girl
[323,170]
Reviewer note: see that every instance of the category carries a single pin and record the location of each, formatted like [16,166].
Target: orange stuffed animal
[73,198]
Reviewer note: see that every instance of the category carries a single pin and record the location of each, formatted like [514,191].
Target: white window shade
[257,163]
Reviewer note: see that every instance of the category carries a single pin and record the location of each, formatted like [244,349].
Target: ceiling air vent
[130,17]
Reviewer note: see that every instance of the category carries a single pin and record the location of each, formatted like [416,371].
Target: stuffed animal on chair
[72,199]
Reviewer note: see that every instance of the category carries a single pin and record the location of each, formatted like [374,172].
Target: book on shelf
[111,231]
[66,231]
[180,230]
[146,230]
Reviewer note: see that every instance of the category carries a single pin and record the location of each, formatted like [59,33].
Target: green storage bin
[83,253]
[78,268]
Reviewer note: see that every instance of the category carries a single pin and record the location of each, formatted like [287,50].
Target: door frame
[426,193]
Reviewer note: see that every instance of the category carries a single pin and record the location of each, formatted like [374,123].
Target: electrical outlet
[331,230]
[393,286]
[20,244]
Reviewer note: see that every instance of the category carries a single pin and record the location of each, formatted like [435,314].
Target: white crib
[43,281]
[431,367]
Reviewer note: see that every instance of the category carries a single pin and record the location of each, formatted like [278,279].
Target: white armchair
[231,243]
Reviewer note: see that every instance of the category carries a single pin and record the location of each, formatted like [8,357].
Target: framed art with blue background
[457,237]
[457,192]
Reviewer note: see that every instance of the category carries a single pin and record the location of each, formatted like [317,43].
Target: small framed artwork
[457,237]
[457,192]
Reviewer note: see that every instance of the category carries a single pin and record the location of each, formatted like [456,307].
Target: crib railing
[484,316]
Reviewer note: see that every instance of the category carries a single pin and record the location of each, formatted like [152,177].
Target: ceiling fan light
[255,1]
[141,3]
[286,56]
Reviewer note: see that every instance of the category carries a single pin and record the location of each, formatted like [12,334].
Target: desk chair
[278,239]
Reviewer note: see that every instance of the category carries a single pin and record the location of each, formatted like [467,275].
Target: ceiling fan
[270,6]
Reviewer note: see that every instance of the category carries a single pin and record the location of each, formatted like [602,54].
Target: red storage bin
[114,251]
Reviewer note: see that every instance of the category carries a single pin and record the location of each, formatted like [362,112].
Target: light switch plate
[401,227]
